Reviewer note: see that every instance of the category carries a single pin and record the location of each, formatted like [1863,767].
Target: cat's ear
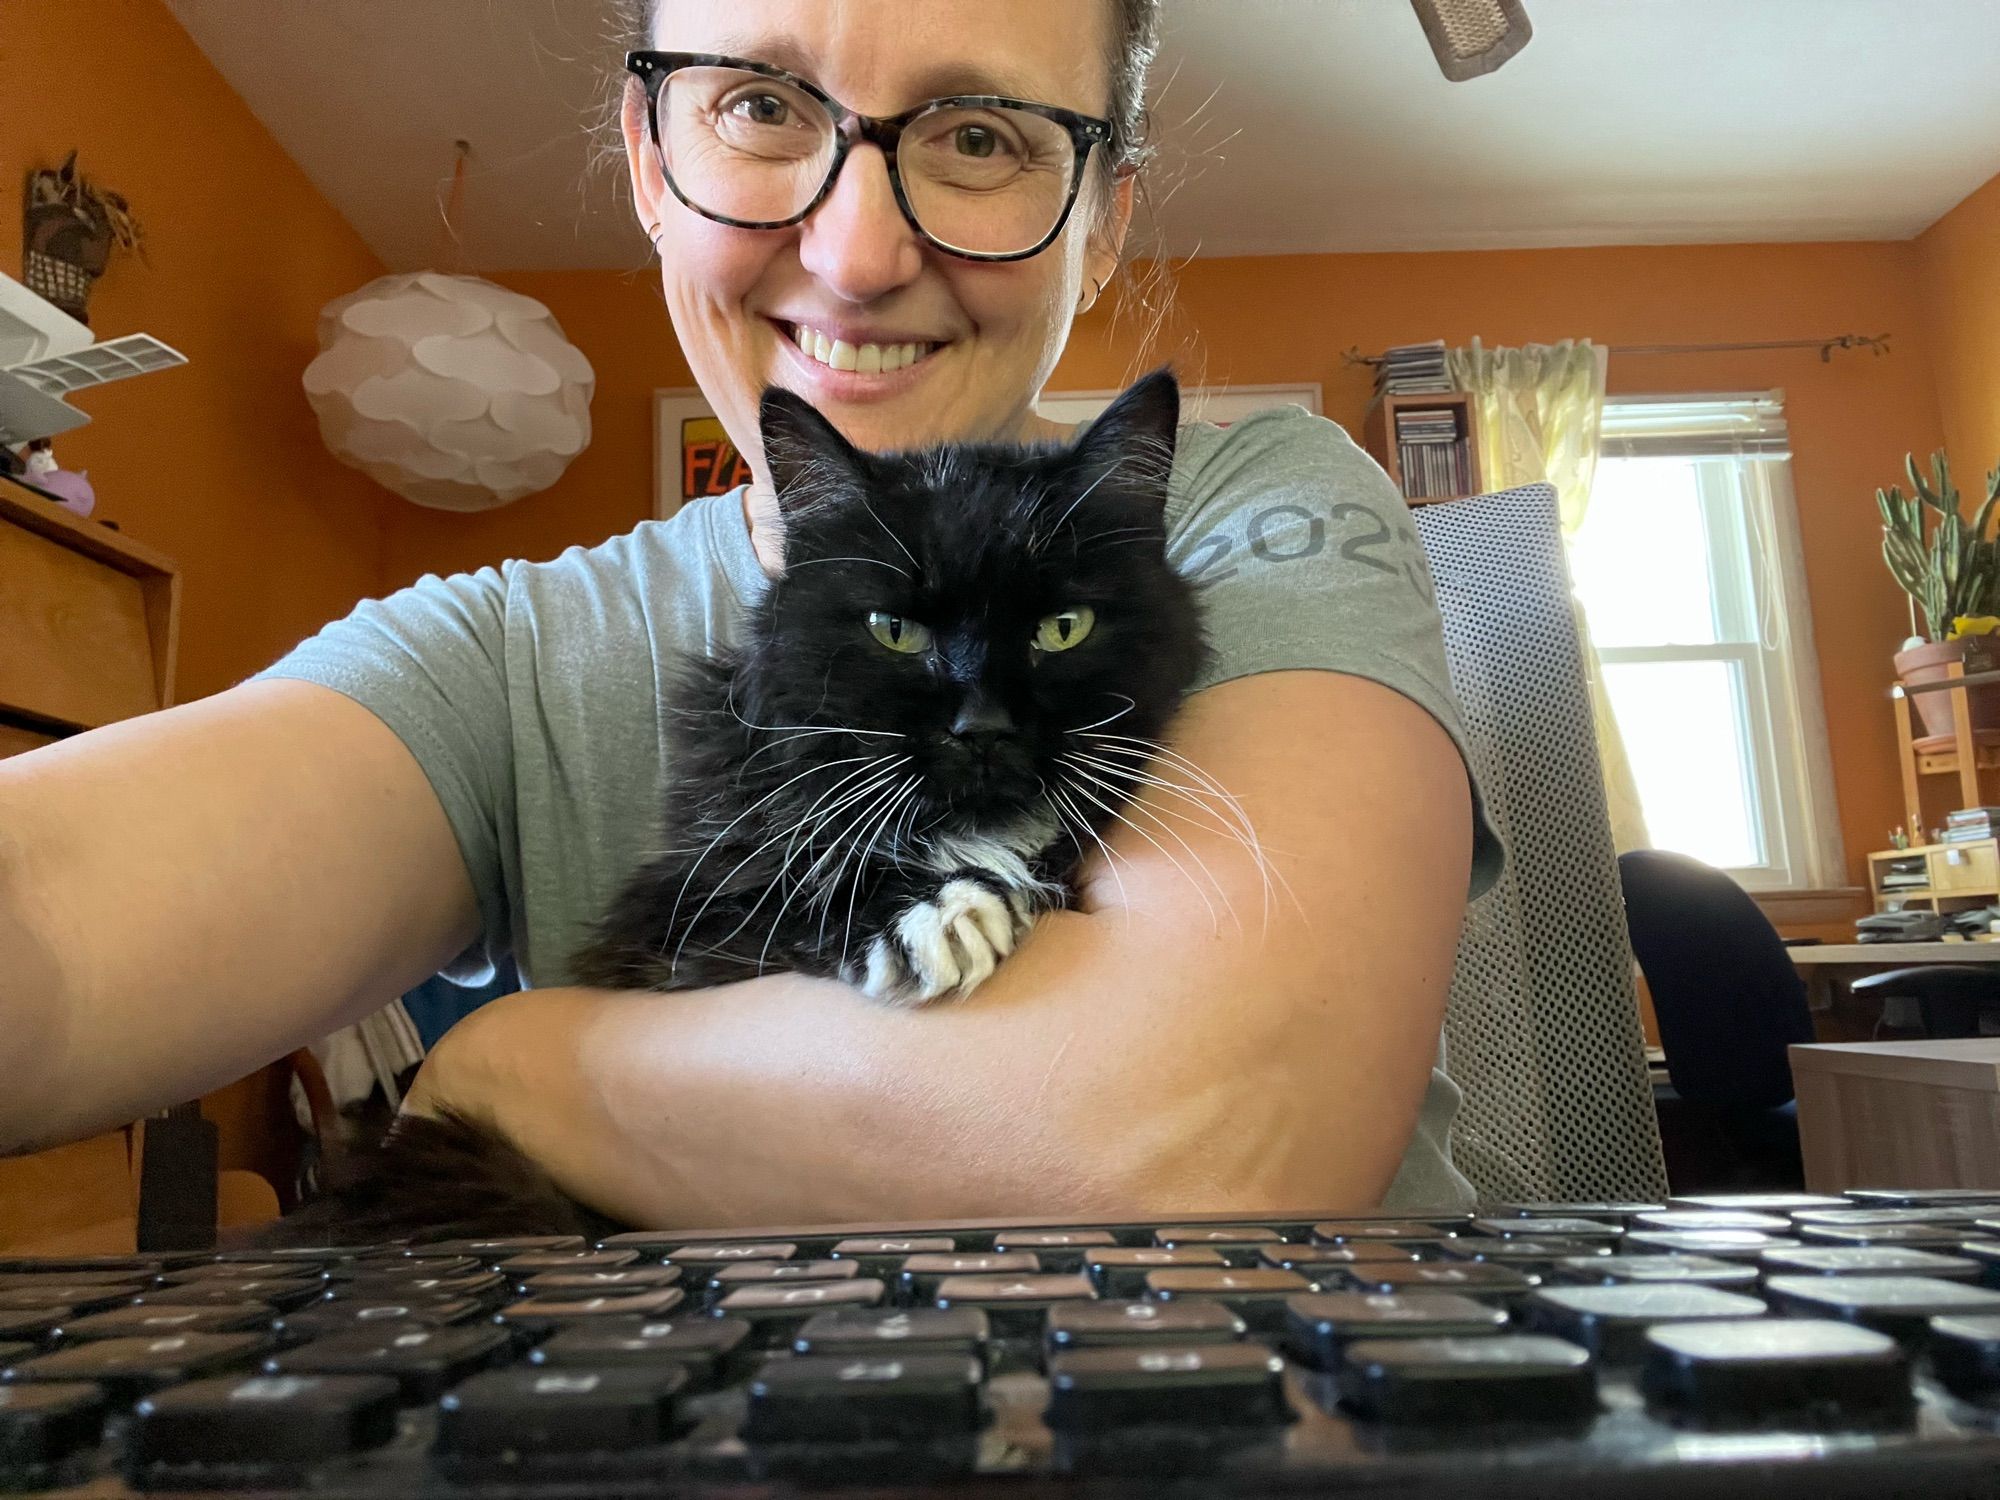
[1131,444]
[806,454]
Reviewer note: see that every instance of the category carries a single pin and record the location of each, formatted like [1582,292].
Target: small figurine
[72,492]
[1898,839]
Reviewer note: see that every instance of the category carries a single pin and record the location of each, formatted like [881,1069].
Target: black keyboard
[1773,1346]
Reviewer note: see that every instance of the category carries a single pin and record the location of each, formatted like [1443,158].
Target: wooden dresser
[87,630]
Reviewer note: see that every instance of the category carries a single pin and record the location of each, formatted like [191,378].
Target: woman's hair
[1133,44]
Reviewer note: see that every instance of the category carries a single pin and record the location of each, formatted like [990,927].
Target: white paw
[951,943]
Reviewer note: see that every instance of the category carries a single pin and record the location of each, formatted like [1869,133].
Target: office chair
[1729,1002]
[1542,1029]
[1951,998]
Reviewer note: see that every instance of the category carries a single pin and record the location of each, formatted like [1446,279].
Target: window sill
[1795,908]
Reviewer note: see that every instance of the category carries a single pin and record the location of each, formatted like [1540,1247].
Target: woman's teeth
[866,359]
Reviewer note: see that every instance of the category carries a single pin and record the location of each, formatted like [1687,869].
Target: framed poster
[1220,404]
[692,455]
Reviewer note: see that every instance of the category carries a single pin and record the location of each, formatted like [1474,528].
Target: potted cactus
[1953,576]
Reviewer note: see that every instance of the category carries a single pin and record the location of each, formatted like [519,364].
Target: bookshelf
[1384,432]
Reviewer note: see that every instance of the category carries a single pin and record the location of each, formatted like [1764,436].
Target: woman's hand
[1147,1055]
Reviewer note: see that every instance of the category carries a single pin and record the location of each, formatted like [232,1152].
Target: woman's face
[855,270]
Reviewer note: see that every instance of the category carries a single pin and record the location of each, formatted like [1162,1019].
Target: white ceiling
[1286,125]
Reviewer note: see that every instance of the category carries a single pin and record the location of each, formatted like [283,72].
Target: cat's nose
[980,717]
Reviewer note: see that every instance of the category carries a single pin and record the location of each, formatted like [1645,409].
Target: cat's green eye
[1059,632]
[899,633]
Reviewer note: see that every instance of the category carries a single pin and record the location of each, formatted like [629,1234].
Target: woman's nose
[857,241]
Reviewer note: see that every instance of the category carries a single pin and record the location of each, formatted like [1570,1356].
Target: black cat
[951,692]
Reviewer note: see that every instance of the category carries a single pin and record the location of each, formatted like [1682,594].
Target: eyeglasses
[750,145]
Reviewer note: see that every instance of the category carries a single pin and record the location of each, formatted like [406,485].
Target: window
[1689,570]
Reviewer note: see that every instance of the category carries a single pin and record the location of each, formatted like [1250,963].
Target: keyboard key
[1470,1279]
[1122,1272]
[1712,1218]
[1319,1327]
[496,1250]
[1457,1381]
[1343,1231]
[216,1291]
[31,1327]
[884,1258]
[566,1284]
[321,1318]
[1611,1321]
[725,1255]
[1221,1236]
[1968,1214]
[1549,1228]
[1721,1244]
[1015,1303]
[481,1285]
[395,1267]
[128,1368]
[1101,1325]
[537,1316]
[817,1398]
[1964,1351]
[1867,1260]
[78,1298]
[533,1412]
[1755,1203]
[1596,1210]
[1305,1257]
[775,1312]
[704,1347]
[1702,1270]
[1059,1249]
[423,1362]
[159,1321]
[86,1266]
[43,1424]
[1939,1236]
[1770,1370]
[266,1419]
[1899,1306]
[782,1272]
[1923,1197]
[1178,1386]
[1525,1251]
[535,1261]
[1985,1254]
[1256,1296]
[921,1274]
[855,1331]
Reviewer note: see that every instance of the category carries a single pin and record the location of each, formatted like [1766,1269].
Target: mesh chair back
[1542,1031]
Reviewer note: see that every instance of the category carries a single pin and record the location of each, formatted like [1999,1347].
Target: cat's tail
[441,1178]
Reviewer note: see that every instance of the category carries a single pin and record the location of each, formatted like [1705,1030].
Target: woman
[467,769]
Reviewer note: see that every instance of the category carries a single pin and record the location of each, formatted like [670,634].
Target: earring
[653,233]
[1096,291]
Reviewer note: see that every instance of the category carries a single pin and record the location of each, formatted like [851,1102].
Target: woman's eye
[976,140]
[760,109]
[898,633]
[1059,632]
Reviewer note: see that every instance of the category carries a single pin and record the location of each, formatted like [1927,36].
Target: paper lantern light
[451,391]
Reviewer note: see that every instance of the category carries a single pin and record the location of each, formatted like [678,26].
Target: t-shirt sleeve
[430,662]
[1306,557]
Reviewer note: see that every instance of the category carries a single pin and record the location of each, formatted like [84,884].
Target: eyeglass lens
[991,180]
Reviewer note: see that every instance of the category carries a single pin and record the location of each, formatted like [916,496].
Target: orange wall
[1272,320]
[218,463]
[1959,263]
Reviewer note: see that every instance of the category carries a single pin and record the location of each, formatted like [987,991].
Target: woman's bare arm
[187,895]
[1151,1055]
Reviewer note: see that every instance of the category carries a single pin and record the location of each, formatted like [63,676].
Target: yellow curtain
[1538,410]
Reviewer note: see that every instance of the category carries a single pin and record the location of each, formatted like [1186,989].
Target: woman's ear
[642,162]
[1107,237]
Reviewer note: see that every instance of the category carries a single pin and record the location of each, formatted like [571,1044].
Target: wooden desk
[1899,1114]
[1838,1016]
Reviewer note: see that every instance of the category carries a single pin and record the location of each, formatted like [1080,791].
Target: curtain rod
[1875,343]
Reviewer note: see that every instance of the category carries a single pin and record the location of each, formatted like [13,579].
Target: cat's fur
[843,809]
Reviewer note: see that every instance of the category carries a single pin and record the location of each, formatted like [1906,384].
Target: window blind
[1746,425]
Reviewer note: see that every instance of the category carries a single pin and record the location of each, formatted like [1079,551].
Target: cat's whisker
[836,848]
[710,846]
[1088,490]
[889,815]
[890,534]
[811,562]
[1066,811]
[1220,825]
[1077,786]
[722,884]
[785,861]
[1086,728]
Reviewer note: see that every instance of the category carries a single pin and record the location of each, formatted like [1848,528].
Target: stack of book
[1430,455]
[1413,370]
[1968,825]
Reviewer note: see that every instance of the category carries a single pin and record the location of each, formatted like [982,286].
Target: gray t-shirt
[531,693]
